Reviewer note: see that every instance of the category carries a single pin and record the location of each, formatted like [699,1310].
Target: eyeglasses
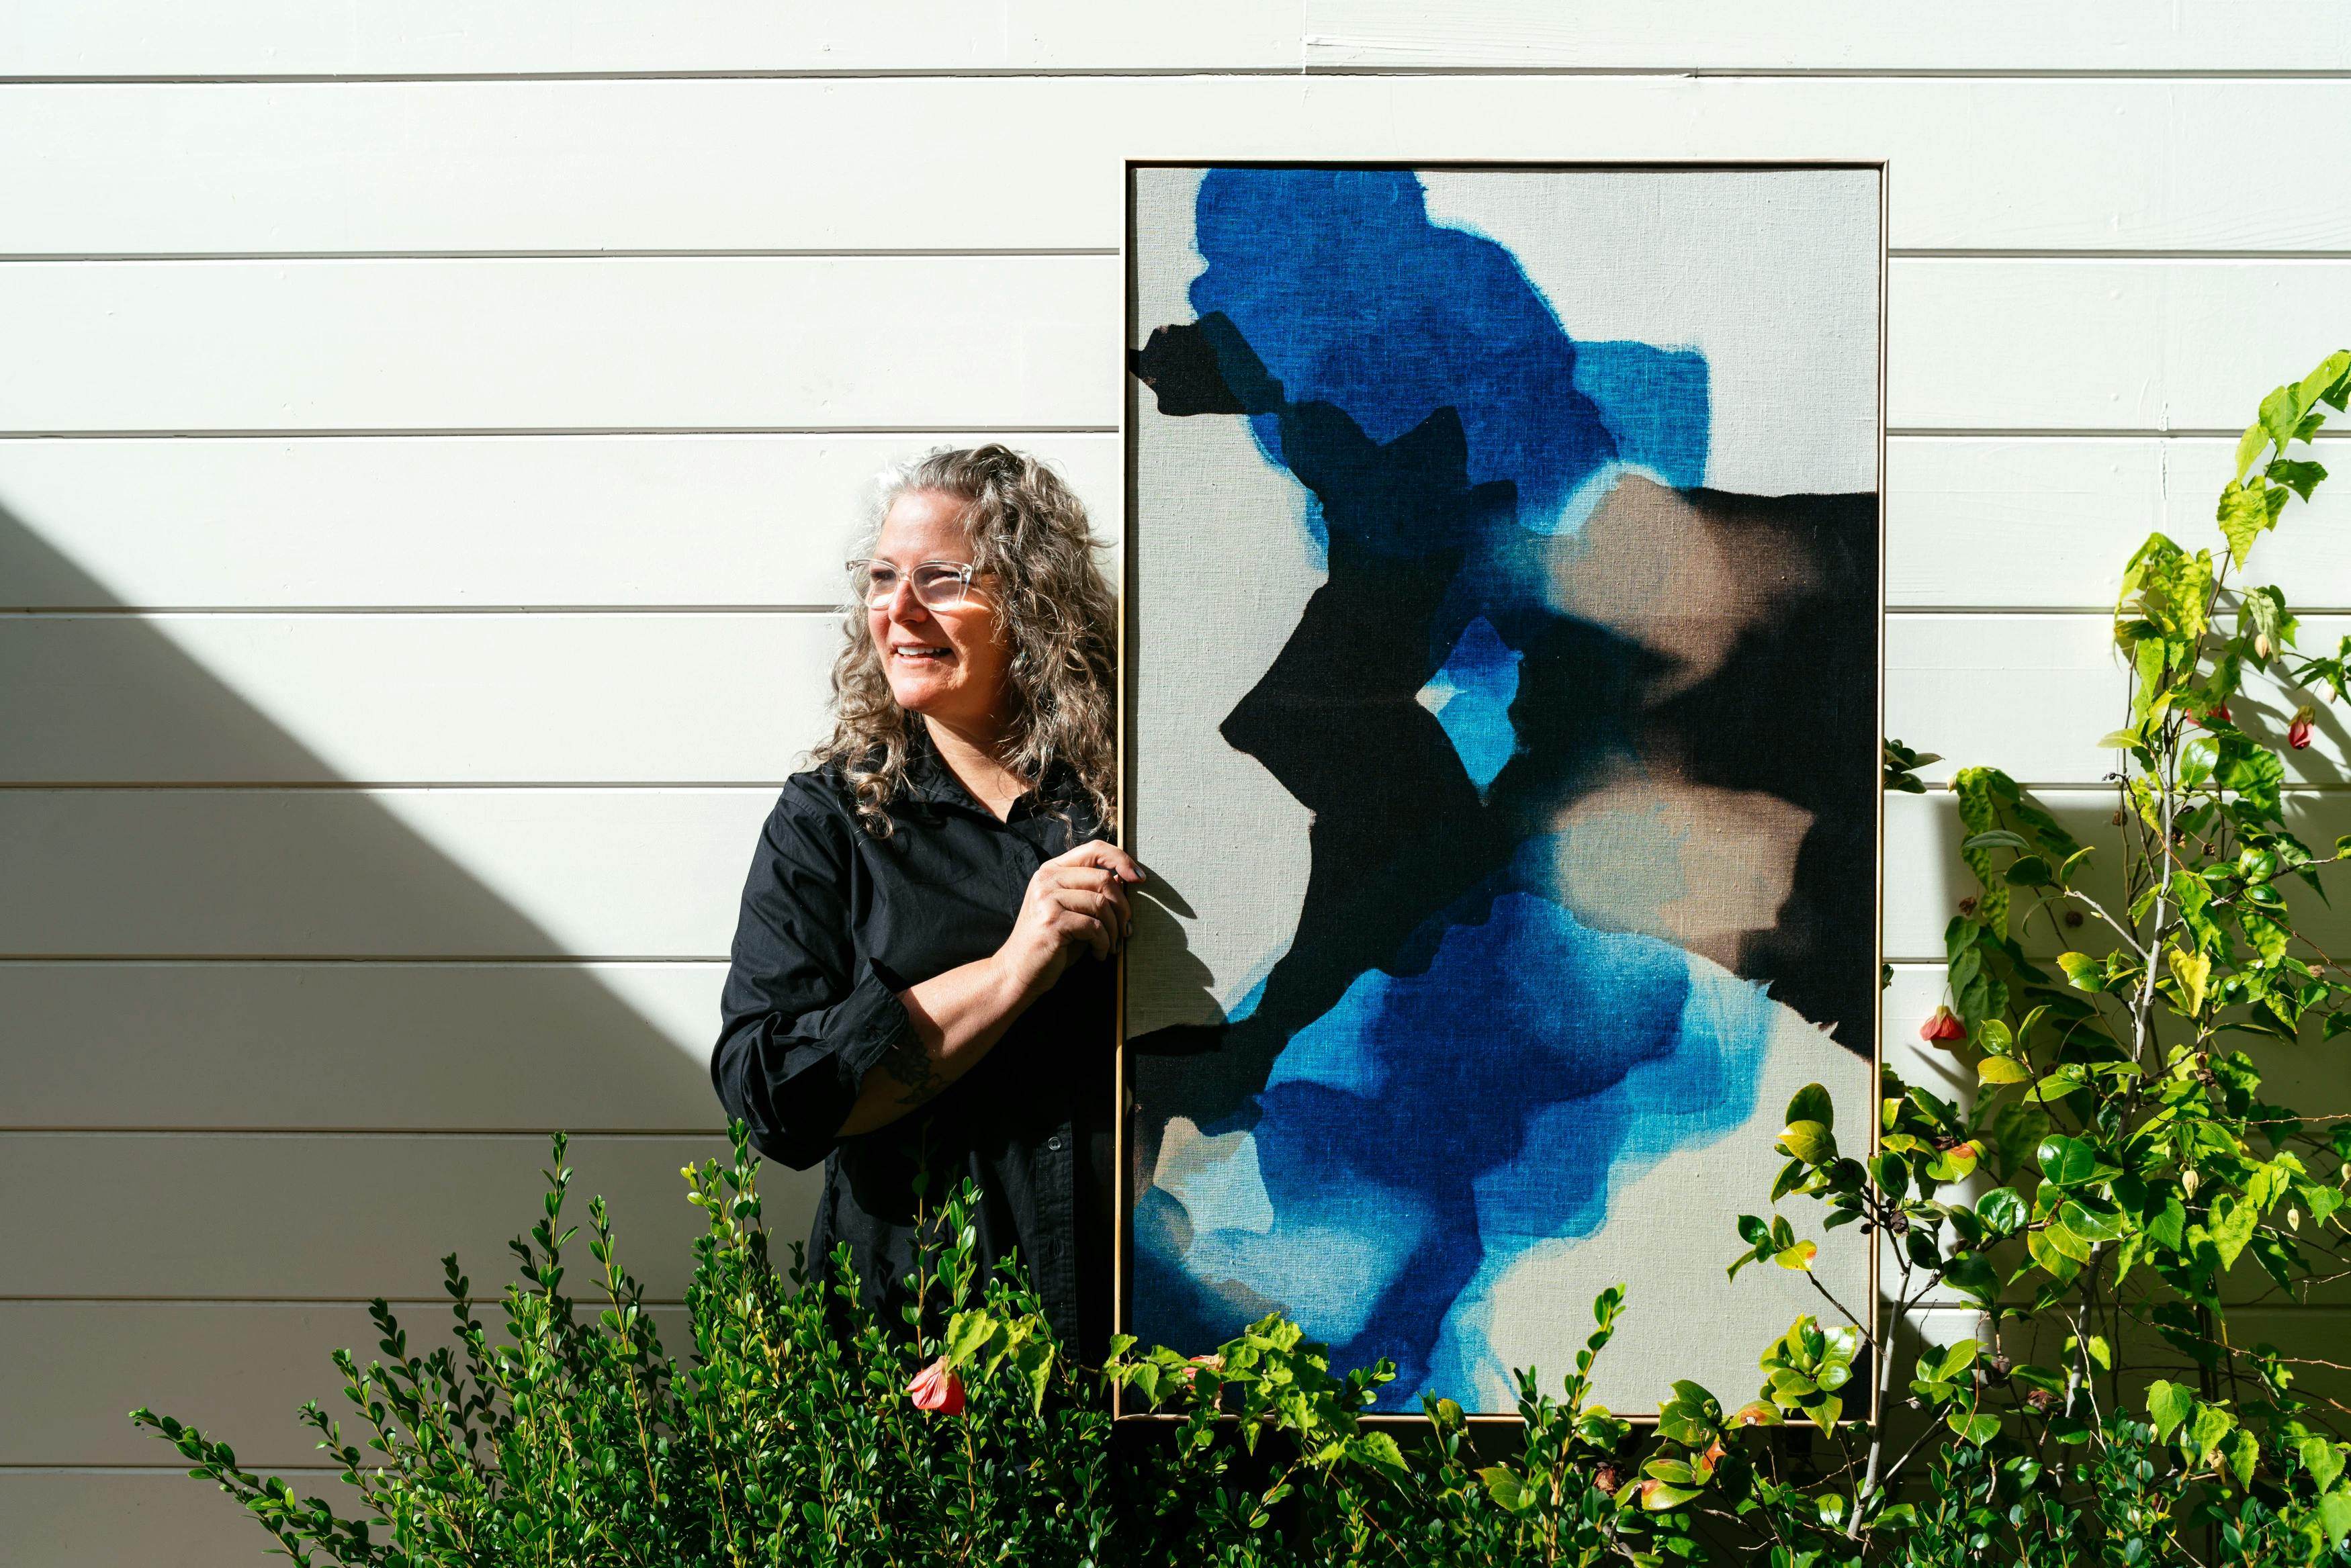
[938,585]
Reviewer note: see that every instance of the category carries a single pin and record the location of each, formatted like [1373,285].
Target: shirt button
[1054,1143]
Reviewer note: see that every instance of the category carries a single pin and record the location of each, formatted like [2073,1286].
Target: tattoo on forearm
[912,1068]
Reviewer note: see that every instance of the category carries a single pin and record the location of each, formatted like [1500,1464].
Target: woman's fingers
[1095,918]
[1100,853]
[1092,879]
[1074,929]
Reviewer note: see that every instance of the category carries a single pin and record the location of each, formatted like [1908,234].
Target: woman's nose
[904,604]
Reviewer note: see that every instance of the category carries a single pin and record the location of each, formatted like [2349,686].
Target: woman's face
[949,665]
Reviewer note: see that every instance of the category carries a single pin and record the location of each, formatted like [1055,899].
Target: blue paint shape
[1250,999]
[1350,296]
[1486,1092]
[1656,404]
[1471,695]
[1700,1091]
[1480,1086]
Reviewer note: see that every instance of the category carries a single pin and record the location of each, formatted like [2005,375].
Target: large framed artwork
[1501,721]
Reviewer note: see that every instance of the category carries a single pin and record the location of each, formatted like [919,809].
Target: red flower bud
[936,1388]
[2222,713]
[1943,1025]
[1194,1364]
[2297,734]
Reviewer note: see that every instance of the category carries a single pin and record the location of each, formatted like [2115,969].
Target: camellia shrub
[2116,1185]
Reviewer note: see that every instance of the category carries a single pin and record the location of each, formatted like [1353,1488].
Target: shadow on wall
[181,957]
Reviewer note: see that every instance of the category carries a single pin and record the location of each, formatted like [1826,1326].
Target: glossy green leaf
[1811,1103]
[1809,1141]
[1978,1429]
[2002,1210]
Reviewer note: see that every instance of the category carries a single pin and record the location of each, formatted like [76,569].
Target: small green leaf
[1978,1429]
[2194,971]
[2334,1515]
[2322,1458]
[2002,1210]
[1956,1163]
[2243,513]
[1379,1451]
[2212,1423]
[1810,1141]
[2169,1405]
[2068,1161]
[967,1333]
[2066,1080]
[1503,1485]
[2029,871]
[2232,1227]
[1811,1103]
[1656,1496]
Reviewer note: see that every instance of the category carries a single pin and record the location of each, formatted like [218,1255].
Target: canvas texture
[1502,576]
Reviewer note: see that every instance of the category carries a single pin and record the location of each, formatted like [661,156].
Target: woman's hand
[1075,902]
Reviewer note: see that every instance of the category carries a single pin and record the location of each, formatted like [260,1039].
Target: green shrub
[2102,1200]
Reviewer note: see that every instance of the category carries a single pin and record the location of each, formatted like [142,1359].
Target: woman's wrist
[1015,983]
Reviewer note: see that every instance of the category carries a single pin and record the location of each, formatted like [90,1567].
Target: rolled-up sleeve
[803,1019]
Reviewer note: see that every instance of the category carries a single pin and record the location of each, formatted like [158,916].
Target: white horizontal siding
[268,37]
[803,342]
[1842,35]
[736,699]
[989,342]
[303,1216]
[587,873]
[295,1045]
[414,698]
[273,1048]
[467,522]
[2045,523]
[417,873]
[275,37]
[157,1517]
[861,164]
[690,522]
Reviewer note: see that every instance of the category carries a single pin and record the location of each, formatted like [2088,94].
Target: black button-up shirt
[835,923]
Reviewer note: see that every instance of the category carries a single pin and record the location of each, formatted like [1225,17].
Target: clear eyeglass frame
[938,585]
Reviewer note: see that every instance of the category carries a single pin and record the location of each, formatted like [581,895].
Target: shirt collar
[932,782]
[928,777]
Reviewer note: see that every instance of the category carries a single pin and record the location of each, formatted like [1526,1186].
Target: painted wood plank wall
[433,431]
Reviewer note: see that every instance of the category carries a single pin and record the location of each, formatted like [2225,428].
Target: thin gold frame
[1128,408]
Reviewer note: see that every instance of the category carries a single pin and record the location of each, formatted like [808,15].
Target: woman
[921,980]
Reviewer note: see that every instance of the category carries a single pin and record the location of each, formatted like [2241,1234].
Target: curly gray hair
[1029,532]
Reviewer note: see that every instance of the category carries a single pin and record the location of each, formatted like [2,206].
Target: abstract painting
[1502,576]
